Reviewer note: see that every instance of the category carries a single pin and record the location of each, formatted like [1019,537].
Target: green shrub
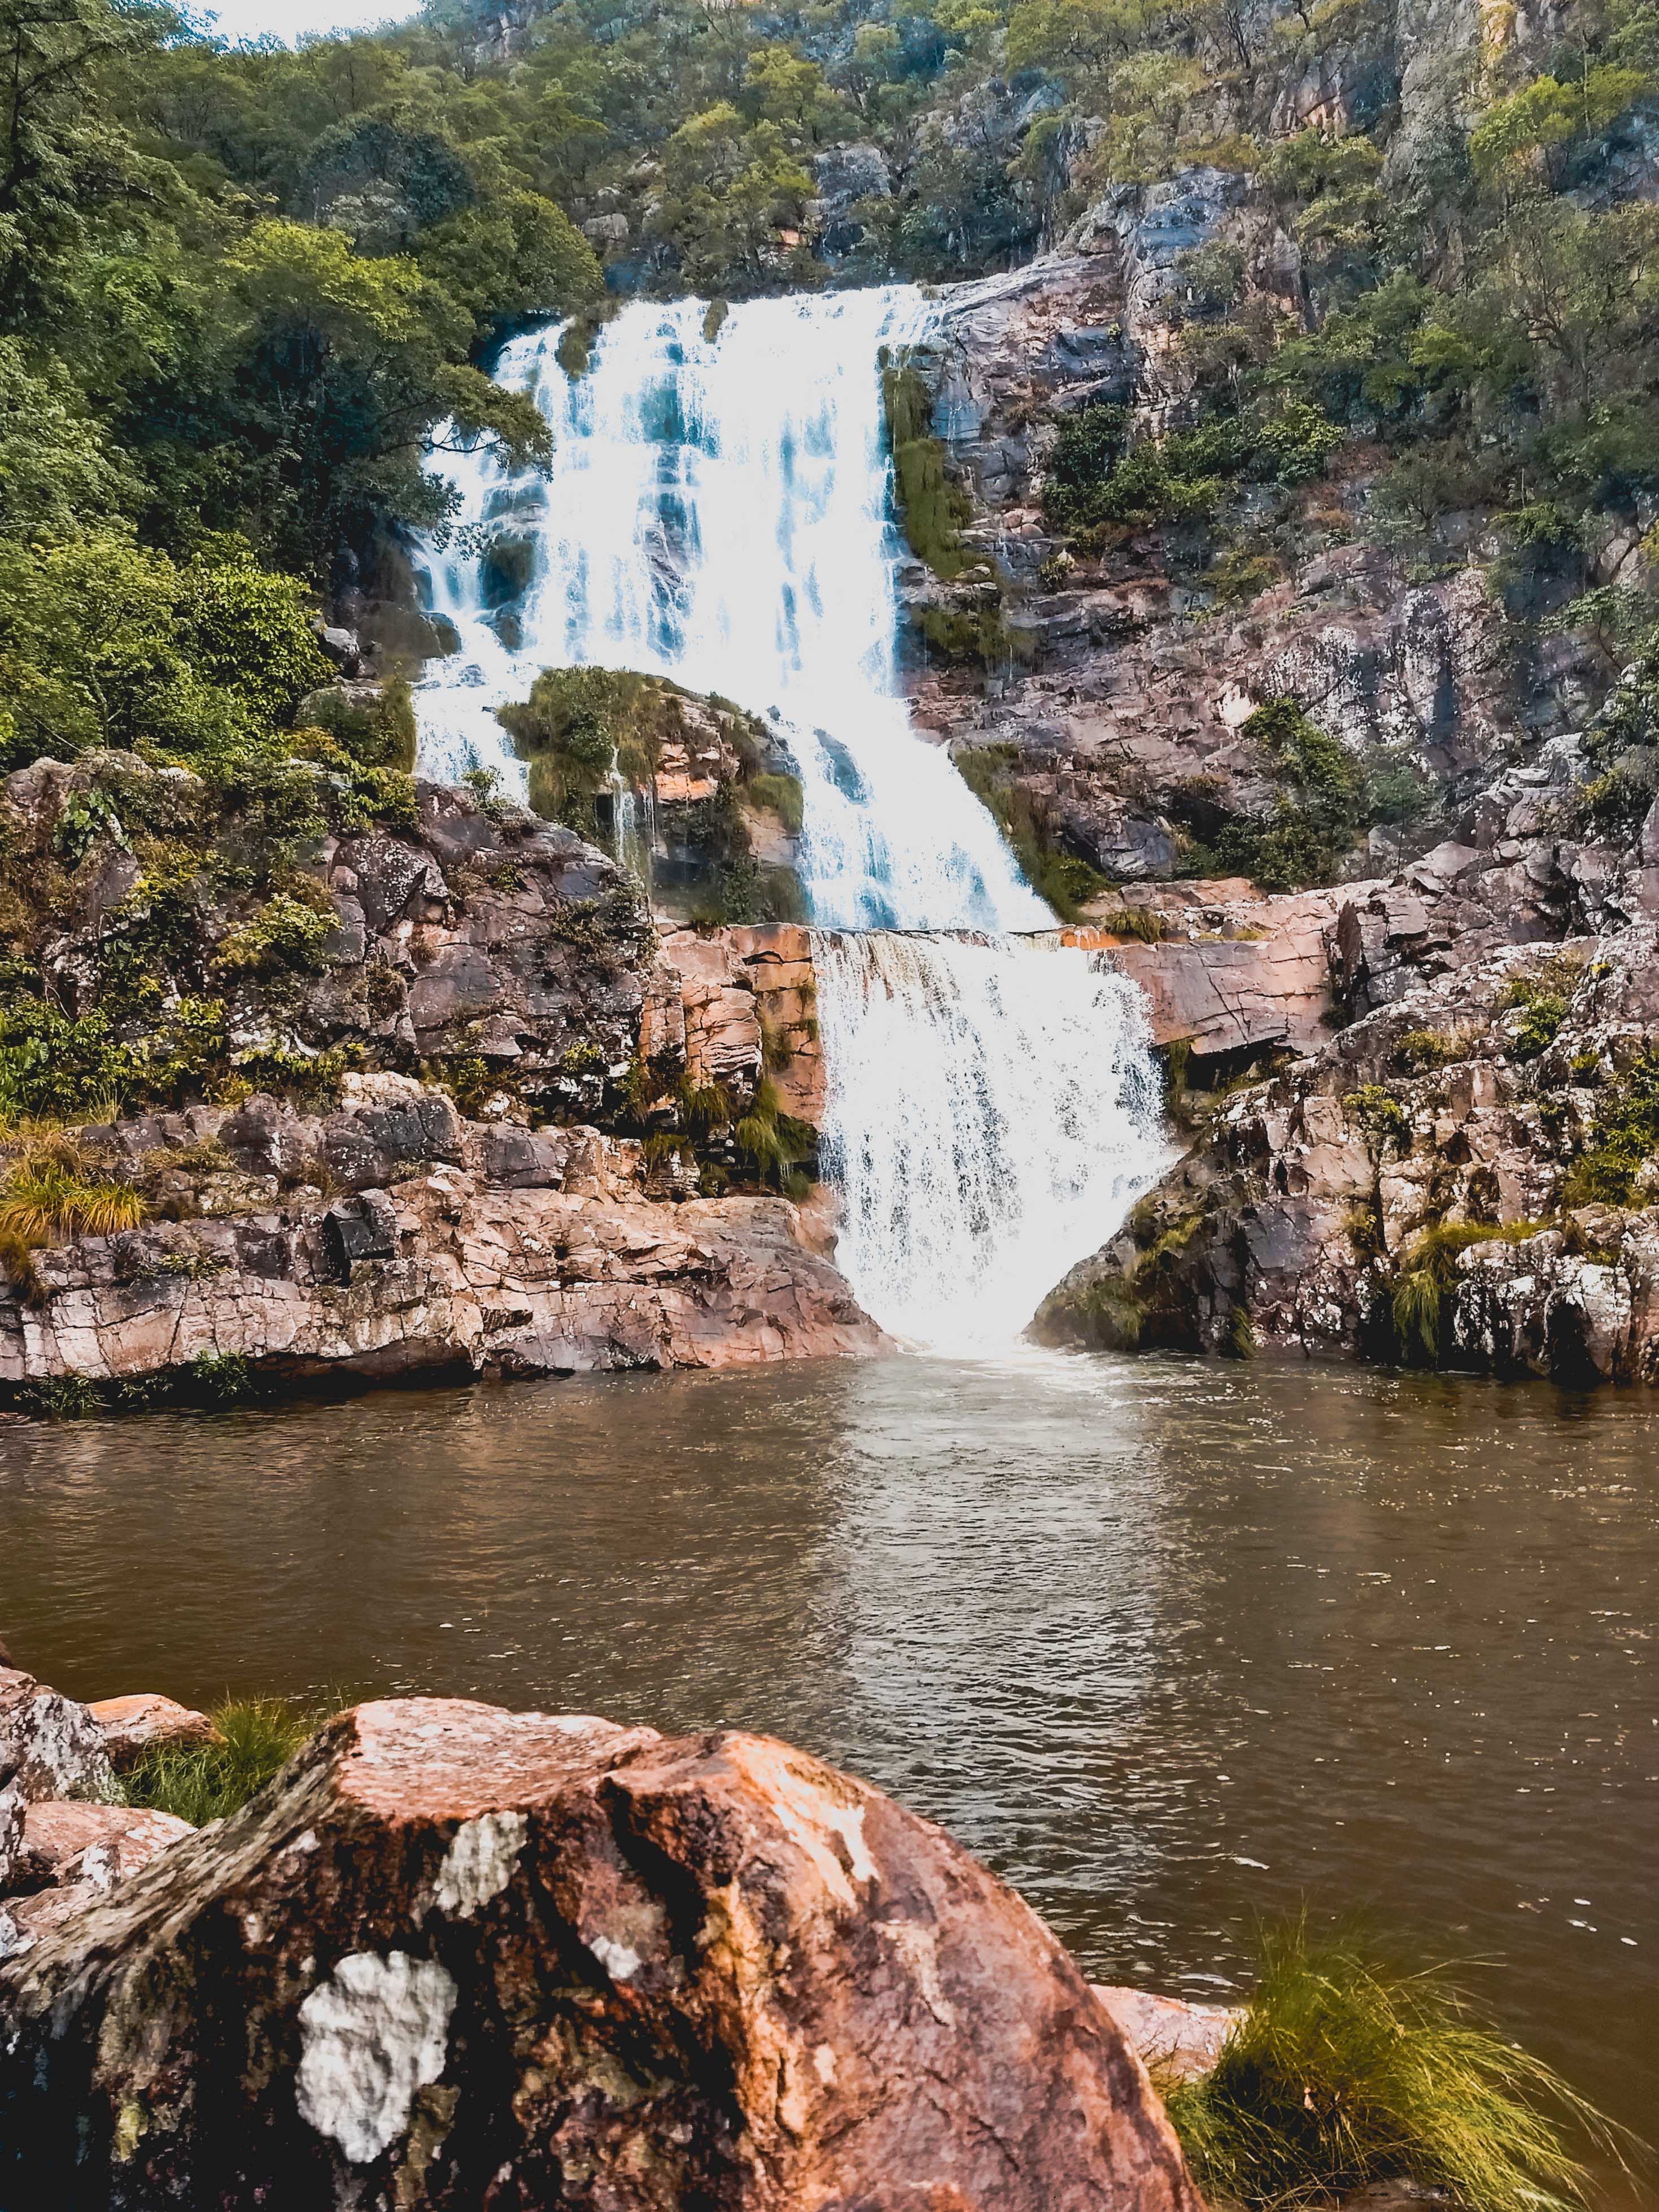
[1419,1051]
[220,1378]
[287,935]
[1144,923]
[200,1783]
[1347,2071]
[250,631]
[1543,1011]
[383,735]
[1380,1114]
[1322,813]
[1097,480]
[1624,1137]
[67,1398]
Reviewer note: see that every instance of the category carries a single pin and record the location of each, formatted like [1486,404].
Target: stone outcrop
[1233,975]
[455,1956]
[582,1217]
[144,1721]
[467,930]
[446,1245]
[1457,1177]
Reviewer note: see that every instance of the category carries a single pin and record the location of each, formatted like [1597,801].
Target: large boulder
[455,1956]
[50,1745]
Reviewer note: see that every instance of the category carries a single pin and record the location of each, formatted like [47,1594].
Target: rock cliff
[429,1092]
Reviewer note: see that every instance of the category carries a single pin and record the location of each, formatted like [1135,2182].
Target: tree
[333,370]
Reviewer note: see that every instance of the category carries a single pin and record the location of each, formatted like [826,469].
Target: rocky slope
[1108,690]
[458,1956]
[1464,1174]
[429,1092]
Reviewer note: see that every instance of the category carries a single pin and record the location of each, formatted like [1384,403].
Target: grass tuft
[1346,2070]
[207,1781]
[49,1193]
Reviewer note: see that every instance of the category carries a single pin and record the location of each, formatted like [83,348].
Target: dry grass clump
[51,1190]
[1345,2070]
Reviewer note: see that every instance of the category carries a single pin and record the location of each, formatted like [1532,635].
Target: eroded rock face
[523,1252]
[1462,1106]
[461,1957]
[469,931]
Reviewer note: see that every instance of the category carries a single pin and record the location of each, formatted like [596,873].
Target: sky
[291,19]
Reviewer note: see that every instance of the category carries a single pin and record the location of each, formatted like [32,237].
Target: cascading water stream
[717,512]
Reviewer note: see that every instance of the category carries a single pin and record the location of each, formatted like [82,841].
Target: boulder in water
[455,1956]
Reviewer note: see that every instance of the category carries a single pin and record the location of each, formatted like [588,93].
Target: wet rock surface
[455,1956]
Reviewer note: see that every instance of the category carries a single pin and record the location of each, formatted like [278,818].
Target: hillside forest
[248,293]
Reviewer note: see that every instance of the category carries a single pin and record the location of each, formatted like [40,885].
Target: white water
[717,512]
[988,1123]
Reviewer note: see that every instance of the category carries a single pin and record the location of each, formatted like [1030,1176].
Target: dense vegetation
[242,290]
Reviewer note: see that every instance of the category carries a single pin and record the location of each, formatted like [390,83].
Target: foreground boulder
[455,1956]
[50,1747]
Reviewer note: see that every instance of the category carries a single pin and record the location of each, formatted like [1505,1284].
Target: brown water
[1170,1645]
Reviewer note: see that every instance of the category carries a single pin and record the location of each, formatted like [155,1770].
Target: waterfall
[718,511]
[987,1116]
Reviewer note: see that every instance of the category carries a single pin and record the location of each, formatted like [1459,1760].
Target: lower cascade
[719,512]
[988,1110]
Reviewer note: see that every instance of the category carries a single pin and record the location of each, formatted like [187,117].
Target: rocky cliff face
[457,1956]
[453,1102]
[391,1237]
[1464,1175]
[1111,688]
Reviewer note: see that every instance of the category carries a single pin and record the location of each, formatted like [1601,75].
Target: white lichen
[370,2036]
[479,1862]
[618,1960]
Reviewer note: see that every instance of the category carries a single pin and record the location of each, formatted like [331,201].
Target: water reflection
[1170,1645]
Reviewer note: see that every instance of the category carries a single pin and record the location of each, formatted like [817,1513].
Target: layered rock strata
[446,1245]
[455,1956]
[1465,1176]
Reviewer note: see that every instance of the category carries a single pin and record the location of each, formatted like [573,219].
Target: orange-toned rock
[463,1958]
[64,1842]
[133,1725]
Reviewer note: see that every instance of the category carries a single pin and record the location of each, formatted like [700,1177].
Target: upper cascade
[717,512]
